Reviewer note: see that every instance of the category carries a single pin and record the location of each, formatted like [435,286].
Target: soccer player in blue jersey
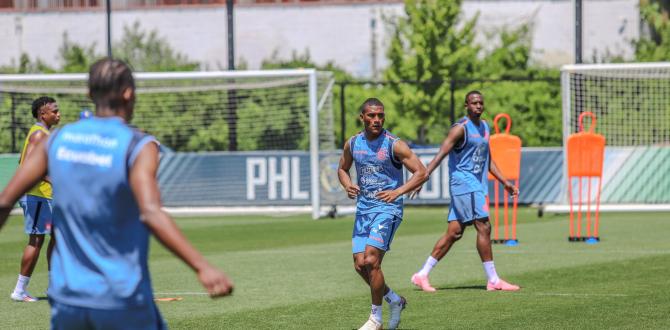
[379,157]
[467,145]
[36,203]
[106,202]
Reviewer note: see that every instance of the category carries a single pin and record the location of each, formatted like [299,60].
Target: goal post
[214,128]
[631,102]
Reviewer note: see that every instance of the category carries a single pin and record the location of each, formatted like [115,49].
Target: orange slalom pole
[572,218]
[505,217]
[588,210]
[579,209]
[495,191]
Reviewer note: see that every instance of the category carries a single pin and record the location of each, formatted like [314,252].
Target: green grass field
[296,273]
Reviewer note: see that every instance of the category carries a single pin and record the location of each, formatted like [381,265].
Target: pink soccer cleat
[421,281]
[501,285]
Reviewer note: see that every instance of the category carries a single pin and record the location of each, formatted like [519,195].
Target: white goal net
[244,139]
[631,103]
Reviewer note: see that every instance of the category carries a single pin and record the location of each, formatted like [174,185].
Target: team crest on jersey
[382,154]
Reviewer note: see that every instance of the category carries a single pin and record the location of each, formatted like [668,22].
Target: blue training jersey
[377,170]
[100,259]
[469,161]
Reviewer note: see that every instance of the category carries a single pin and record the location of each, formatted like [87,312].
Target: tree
[434,51]
[27,65]
[656,46]
[429,47]
[304,60]
[75,57]
[146,51]
[510,58]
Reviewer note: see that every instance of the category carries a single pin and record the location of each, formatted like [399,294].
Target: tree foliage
[428,48]
[147,51]
[27,65]
[143,50]
[656,46]
[74,57]
[434,47]
[431,48]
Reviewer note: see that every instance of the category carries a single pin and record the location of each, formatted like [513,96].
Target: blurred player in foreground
[467,145]
[106,202]
[379,157]
[36,204]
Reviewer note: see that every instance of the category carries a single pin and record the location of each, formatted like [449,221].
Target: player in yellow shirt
[36,203]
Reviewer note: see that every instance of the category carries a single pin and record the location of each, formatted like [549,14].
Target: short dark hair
[474,92]
[371,102]
[39,103]
[107,79]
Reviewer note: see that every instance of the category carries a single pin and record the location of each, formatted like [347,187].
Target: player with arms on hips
[36,204]
[106,203]
[379,157]
[467,145]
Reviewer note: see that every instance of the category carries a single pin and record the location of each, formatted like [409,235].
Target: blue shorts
[36,214]
[468,207]
[72,317]
[374,229]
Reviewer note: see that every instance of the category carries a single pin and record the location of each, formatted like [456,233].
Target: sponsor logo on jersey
[382,154]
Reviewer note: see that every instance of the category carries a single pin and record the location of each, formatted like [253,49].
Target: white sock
[490,270]
[377,312]
[391,297]
[428,266]
[22,284]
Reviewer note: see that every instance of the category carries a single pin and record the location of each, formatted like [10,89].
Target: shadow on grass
[463,287]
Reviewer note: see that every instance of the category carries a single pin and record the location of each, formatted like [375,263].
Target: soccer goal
[233,141]
[631,103]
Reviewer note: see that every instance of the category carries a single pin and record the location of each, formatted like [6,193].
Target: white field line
[181,293]
[599,251]
[585,295]
[581,294]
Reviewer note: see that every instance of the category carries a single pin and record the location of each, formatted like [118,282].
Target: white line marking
[182,293]
[582,294]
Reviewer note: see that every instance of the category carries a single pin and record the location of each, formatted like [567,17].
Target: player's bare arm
[33,169]
[455,135]
[512,189]
[145,188]
[343,172]
[419,174]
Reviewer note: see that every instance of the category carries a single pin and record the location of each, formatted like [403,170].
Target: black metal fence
[533,102]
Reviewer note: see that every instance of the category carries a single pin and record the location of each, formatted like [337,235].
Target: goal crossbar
[75,84]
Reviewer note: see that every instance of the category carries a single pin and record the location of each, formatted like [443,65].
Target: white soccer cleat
[23,297]
[371,324]
[395,310]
